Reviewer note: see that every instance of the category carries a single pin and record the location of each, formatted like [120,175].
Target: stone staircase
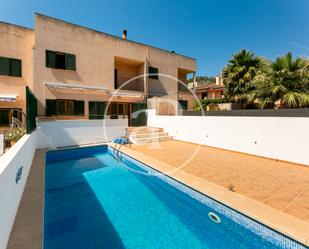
[143,135]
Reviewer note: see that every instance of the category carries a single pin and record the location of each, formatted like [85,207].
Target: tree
[203,79]
[285,83]
[238,75]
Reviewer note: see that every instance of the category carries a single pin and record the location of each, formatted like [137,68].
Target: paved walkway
[281,185]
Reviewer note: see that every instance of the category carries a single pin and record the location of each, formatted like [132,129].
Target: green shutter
[51,59]
[92,110]
[31,110]
[15,67]
[70,62]
[79,108]
[51,107]
[101,106]
[4,66]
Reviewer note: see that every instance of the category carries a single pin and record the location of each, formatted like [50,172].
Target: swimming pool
[94,201]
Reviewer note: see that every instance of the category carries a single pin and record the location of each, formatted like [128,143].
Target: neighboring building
[16,63]
[76,70]
[210,91]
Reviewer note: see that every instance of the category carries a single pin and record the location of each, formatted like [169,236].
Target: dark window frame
[96,109]
[53,107]
[154,71]
[183,104]
[60,60]
[13,67]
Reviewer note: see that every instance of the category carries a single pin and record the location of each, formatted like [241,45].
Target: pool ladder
[116,151]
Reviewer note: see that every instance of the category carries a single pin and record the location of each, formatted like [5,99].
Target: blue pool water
[93,201]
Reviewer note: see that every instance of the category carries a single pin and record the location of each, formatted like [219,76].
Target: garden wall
[284,138]
[1,144]
[14,169]
[60,133]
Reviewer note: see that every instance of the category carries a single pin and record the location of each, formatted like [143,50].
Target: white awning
[8,98]
[128,94]
[78,87]
[74,86]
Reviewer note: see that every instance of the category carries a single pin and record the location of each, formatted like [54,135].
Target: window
[60,60]
[115,79]
[64,107]
[96,109]
[6,116]
[183,104]
[153,71]
[118,109]
[10,67]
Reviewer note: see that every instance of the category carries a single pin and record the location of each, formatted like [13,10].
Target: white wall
[20,155]
[1,144]
[285,138]
[52,134]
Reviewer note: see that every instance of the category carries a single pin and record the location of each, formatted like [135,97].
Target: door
[139,114]
[4,118]
[96,109]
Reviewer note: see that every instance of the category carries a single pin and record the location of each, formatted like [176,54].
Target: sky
[210,31]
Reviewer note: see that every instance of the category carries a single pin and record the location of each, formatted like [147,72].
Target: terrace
[281,185]
[269,190]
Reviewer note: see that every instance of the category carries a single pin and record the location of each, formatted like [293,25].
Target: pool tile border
[269,230]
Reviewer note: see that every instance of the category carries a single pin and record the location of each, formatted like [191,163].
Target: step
[144,129]
[151,139]
[147,135]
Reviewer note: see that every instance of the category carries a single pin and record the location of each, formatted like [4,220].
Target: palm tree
[238,75]
[285,83]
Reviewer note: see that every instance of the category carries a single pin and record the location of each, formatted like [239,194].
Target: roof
[113,36]
[205,87]
[16,25]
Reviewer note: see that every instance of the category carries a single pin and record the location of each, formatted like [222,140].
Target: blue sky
[210,31]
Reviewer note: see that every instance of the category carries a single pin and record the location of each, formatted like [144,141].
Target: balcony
[187,77]
[125,72]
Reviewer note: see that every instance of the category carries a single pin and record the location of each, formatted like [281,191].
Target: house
[16,71]
[210,91]
[75,72]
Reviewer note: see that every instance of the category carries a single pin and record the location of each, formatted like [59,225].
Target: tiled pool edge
[28,238]
[241,204]
[27,230]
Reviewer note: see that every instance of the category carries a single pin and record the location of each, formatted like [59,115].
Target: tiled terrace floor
[281,185]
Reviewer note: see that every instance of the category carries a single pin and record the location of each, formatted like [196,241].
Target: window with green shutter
[4,66]
[153,73]
[59,60]
[10,67]
[79,107]
[183,104]
[96,109]
[64,107]
[50,59]
[15,67]
[70,62]
[51,107]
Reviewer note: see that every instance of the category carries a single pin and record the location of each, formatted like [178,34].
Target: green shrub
[14,134]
